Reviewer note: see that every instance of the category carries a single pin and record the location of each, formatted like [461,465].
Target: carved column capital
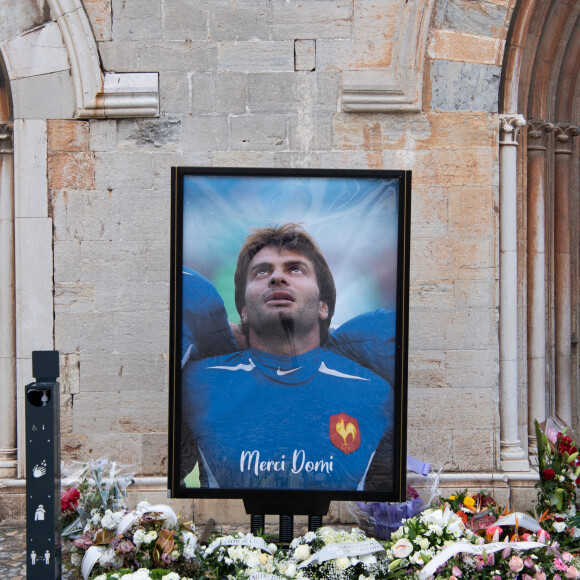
[565,134]
[6,138]
[537,134]
[509,128]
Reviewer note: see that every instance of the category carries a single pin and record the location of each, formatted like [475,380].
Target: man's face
[282,292]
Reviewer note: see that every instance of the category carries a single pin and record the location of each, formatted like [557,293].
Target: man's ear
[322,310]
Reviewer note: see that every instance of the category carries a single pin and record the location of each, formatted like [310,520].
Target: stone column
[512,456]
[536,319]
[8,454]
[562,284]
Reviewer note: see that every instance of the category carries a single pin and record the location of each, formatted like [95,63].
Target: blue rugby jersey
[267,421]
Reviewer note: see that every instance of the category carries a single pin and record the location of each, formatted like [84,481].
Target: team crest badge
[344,432]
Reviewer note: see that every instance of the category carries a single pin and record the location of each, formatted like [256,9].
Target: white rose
[342,563]
[302,553]
[402,548]
[367,559]
[290,571]
[150,537]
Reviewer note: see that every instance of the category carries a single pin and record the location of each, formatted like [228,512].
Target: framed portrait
[289,317]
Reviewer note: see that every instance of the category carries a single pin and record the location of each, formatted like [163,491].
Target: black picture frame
[345,211]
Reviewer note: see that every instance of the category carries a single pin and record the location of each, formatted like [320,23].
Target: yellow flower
[469,502]
[451,497]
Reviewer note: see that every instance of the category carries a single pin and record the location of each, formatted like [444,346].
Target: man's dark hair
[291,237]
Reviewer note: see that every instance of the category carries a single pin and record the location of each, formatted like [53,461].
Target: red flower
[69,499]
[548,473]
[462,515]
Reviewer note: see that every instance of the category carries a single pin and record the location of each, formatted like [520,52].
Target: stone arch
[540,87]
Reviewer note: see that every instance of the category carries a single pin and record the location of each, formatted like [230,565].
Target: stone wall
[259,83]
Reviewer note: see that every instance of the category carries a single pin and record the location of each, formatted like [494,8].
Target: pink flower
[479,563]
[557,577]
[84,543]
[516,564]
[527,537]
[490,559]
[572,572]
[540,576]
[559,565]
[492,533]
[496,577]
[528,562]
[505,553]
[543,536]
[456,572]
[566,556]
[526,577]
[125,546]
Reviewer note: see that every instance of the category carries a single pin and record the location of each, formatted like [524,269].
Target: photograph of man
[284,411]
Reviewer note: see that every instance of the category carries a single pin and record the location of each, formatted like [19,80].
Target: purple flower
[528,562]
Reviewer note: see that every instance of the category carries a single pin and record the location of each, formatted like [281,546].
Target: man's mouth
[279,298]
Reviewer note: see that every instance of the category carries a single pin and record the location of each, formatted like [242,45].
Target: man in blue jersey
[287,413]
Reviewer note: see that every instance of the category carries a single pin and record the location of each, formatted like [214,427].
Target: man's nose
[277,277]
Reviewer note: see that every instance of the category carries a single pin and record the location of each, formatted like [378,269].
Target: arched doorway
[540,87]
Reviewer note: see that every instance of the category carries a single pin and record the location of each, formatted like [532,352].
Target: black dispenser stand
[42,412]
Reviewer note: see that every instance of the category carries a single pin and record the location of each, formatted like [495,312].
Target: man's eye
[297,270]
[261,272]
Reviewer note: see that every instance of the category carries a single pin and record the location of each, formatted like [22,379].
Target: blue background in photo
[353,220]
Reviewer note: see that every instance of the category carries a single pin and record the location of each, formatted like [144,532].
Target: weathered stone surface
[112,262]
[71,170]
[464,329]
[83,215]
[464,86]
[103,134]
[481,18]
[120,417]
[474,293]
[132,297]
[154,453]
[246,20]
[99,13]
[74,297]
[180,56]
[88,331]
[68,136]
[186,20]
[162,133]
[465,47]
[304,55]
[257,57]
[134,19]
[115,372]
[207,133]
[323,19]
[353,54]
[259,132]
[218,93]
[130,170]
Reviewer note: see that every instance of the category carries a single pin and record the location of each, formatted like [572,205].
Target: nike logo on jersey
[324,369]
[241,367]
[281,373]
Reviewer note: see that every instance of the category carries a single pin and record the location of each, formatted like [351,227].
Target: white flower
[559,526]
[302,552]
[138,537]
[101,577]
[290,570]
[416,558]
[189,544]
[171,576]
[423,543]
[342,563]
[402,548]
[150,537]
[367,559]
[76,559]
[143,505]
